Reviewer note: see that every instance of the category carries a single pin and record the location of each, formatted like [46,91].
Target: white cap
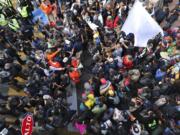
[45,97]
[65,59]
[136,129]
[110,60]
[67,41]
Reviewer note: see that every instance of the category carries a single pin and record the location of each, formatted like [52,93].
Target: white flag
[92,25]
[141,24]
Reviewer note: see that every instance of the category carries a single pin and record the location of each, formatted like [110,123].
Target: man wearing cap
[105,86]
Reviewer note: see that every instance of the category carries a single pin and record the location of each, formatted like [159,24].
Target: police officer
[23,11]
[13,24]
[3,21]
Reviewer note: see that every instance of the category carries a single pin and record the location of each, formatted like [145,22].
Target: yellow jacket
[13,24]
[23,11]
[3,20]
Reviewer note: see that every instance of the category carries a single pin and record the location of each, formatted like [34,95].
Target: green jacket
[23,11]
[13,24]
[3,20]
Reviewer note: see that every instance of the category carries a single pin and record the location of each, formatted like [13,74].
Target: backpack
[159,75]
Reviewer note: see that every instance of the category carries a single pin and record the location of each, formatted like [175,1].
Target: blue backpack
[159,75]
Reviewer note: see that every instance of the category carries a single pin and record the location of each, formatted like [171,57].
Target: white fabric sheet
[140,22]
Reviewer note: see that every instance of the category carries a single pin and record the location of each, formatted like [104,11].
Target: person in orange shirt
[50,57]
[50,9]
[46,7]
[74,75]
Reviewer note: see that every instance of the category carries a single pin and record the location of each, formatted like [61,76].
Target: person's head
[130,37]
[121,5]
[103,81]
[87,86]
[128,61]
[7,66]
[109,18]
[110,60]
[7,45]
[118,45]
[88,8]
[178,39]
[100,5]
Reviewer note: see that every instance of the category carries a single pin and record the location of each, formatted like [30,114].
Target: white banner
[92,26]
[140,22]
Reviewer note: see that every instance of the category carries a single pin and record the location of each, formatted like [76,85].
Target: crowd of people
[131,90]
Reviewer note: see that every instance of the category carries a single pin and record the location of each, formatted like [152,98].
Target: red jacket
[117,19]
[75,76]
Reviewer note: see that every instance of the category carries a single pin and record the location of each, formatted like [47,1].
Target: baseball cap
[65,59]
[136,129]
[103,80]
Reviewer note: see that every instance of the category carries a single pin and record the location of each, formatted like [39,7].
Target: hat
[110,60]
[128,61]
[67,42]
[84,96]
[89,103]
[103,81]
[111,93]
[52,24]
[136,129]
[134,74]
[105,86]
[109,17]
[45,97]
[65,59]
[91,96]
[7,66]
[75,11]
[74,62]
[126,82]
[96,35]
